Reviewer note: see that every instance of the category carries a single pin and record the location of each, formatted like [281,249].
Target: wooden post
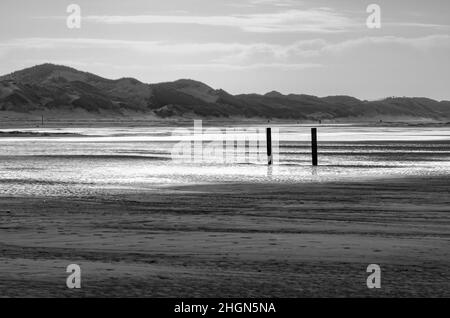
[269,146]
[42,120]
[314,146]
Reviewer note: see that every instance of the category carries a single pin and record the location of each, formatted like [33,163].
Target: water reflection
[136,158]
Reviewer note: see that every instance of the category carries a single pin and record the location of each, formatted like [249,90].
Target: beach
[233,241]
[160,229]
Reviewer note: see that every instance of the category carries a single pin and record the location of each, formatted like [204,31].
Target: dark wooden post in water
[42,120]
[314,146]
[269,146]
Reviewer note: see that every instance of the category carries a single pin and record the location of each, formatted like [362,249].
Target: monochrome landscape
[90,124]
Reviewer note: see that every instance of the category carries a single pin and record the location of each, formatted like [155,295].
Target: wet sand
[240,240]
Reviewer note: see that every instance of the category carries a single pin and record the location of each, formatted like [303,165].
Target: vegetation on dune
[54,87]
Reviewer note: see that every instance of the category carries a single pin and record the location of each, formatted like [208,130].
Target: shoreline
[9,120]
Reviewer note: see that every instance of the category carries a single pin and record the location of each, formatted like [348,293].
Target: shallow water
[128,159]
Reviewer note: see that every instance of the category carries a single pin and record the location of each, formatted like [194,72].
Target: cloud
[286,17]
[142,46]
[259,3]
[222,56]
[421,43]
[254,66]
[281,3]
[320,49]
[304,48]
[320,20]
[417,25]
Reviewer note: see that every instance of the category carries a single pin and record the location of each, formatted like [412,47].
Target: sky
[317,47]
